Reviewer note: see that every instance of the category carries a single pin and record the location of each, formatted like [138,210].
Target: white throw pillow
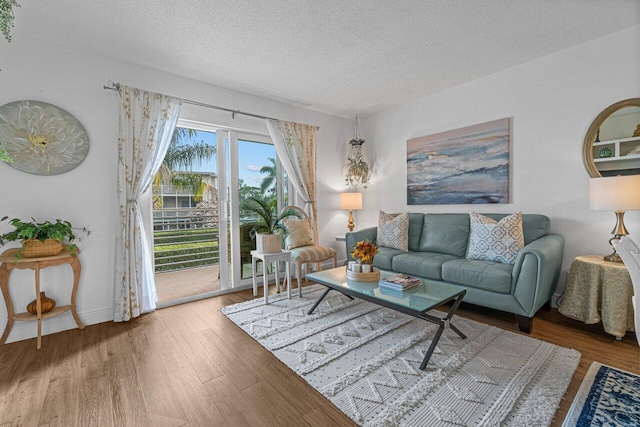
[393,231]
[497,241]
[298,232]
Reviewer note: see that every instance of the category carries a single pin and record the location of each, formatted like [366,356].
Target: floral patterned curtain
[147,121]
[296,146]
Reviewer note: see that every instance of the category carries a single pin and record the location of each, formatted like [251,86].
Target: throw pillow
[497,241]
[393,231]
[298,232]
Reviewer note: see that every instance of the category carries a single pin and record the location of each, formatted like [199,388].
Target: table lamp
[619,194]
[351,201]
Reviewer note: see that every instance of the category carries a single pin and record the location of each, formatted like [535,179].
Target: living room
[552,96]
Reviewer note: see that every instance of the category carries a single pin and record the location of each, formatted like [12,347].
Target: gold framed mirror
[612,143]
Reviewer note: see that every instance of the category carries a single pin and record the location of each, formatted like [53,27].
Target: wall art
[42,139]
[469,165]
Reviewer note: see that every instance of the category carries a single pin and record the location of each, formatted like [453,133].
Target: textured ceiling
[336,56]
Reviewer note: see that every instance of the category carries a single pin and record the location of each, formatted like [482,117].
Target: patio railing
[185,238]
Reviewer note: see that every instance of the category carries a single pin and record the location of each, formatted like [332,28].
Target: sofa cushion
[393,231]
[491,240]
[491,276]
[384,256]
[423,264]
[416,221]
[445,234]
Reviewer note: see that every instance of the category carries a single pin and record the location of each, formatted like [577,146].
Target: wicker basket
[34,248]
[268,243]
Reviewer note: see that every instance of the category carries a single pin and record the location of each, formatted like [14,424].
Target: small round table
[267,259]
[10,262]
[599,290]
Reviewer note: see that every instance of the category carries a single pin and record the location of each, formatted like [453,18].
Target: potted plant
[41,238]
[266,231]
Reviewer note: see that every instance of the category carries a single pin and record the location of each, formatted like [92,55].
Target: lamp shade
[351,201]
[615,193]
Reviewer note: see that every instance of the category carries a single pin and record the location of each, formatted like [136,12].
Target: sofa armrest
[353,237]
[536,272]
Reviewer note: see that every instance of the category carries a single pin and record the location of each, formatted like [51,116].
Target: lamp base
[614,257]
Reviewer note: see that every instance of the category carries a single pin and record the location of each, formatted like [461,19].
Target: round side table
[599,290]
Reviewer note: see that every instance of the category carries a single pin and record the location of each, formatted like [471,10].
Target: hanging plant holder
[358,172]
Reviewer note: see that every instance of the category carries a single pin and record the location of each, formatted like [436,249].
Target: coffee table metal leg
[432,347]
[319,300]
[443,324]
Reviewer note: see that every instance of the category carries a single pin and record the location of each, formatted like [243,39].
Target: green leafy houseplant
[269,219]
[61,231]
[6,17]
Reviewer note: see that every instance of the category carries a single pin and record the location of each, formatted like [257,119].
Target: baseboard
[27,330]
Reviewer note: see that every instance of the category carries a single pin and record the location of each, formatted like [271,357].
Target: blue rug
[607,397]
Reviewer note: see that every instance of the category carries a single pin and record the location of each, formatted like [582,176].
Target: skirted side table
[599,290]
[10,262]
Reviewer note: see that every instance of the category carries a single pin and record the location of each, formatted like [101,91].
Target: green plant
[4,157]
[59,230]
[6,17]
[269,219]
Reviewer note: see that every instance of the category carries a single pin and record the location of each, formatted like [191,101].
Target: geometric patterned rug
[365,359]
[607,397]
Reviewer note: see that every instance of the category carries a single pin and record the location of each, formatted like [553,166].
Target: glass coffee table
[415,302]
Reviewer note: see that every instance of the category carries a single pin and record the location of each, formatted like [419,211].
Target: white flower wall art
[42,139]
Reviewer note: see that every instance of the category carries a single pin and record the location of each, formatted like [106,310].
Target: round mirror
[612,143]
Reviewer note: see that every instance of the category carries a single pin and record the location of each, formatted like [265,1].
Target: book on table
[399,282]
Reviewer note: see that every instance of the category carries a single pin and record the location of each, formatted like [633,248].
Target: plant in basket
[364,251]
[266,230]
[41,238]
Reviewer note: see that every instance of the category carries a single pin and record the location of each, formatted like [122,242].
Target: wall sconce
[351,201]
[619,194]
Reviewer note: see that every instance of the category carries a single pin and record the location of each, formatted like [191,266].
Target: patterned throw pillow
[393,231]
[298,233]
[491,240]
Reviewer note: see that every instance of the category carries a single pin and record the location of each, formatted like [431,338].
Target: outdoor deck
[184,283]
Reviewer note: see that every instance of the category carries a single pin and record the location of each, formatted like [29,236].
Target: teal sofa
[437,249]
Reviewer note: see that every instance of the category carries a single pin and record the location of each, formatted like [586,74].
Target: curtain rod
[116,86]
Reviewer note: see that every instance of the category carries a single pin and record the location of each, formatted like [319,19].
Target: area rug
[365,359]
[607,397]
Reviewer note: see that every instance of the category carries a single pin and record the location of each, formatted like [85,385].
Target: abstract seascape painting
[469,165]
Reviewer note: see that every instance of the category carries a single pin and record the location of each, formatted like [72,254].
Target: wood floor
[189,366]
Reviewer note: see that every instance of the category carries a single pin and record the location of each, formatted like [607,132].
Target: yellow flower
[364,251]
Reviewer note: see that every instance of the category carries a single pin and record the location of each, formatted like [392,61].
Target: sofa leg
[547,306]
[525,324]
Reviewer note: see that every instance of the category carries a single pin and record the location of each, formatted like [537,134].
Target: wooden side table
[10,262]
[599,290]
[267,259]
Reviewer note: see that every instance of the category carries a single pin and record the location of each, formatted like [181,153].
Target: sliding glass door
[201,233]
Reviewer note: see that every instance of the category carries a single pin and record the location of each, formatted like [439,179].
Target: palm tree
[268,184]
[184,153]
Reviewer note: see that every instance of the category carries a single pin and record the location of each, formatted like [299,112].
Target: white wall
[552,102]
[73,80]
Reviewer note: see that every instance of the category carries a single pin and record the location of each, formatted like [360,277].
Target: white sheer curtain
[296,147]
[147,121]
